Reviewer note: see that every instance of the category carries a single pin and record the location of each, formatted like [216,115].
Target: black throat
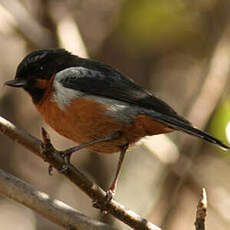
[36,93]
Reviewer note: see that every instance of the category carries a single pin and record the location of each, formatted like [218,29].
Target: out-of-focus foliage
[155,25]
[220,120]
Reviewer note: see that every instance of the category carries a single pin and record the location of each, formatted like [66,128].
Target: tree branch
[201,211]
[54,210]
[31,30]
[75,176]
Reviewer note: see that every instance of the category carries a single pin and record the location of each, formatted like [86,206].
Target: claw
[109,196]
[47,147]
[50,170]
[66,156]
[64,169]
[101,204]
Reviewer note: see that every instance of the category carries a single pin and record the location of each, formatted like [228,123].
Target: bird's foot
[102,203]
[48,151]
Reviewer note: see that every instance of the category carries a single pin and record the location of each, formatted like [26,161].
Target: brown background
[180,51]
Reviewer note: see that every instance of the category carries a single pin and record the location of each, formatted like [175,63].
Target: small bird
[95,105]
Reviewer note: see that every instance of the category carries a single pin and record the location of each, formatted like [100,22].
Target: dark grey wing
[112,84]
[101,80]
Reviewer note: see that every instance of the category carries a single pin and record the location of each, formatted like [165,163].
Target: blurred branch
[211,92]
[201,211]
[75,176]
[30,29]
[54,210]
[216,197]
[215,83]
[70,37]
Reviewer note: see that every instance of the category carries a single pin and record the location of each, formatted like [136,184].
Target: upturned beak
[20,83]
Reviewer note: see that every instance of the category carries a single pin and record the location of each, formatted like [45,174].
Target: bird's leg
[68,153]
[111,191]
[112,188]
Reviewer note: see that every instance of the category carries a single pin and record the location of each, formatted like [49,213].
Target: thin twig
[54,210]
[75,176]
[201,211]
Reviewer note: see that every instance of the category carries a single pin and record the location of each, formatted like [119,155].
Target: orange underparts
[85,120]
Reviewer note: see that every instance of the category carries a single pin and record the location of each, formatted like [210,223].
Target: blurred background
[177,49]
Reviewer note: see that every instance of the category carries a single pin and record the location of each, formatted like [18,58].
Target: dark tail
[186,127]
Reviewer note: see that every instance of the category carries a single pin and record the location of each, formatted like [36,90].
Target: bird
[95,105]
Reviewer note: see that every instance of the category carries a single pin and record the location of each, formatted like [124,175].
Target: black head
[38,67]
